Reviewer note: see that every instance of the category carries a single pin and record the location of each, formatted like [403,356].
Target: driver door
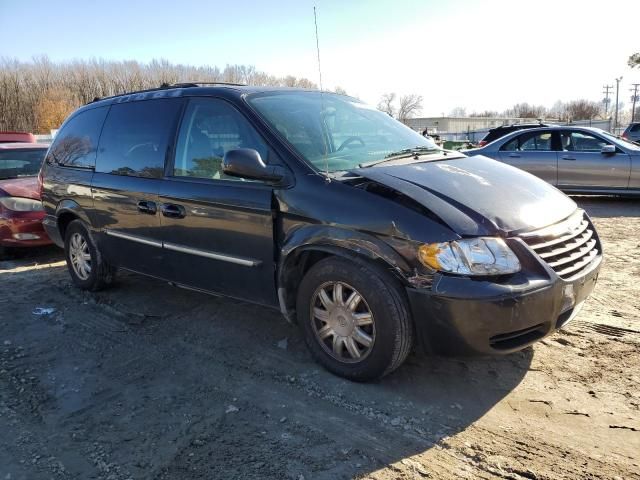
[217,230]
[582,164]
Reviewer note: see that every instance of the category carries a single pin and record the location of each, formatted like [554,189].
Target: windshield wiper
[404,153]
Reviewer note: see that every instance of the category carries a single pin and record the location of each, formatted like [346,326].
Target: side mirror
[247,163]
[608,150]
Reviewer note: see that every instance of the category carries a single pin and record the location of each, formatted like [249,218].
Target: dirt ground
[149,381]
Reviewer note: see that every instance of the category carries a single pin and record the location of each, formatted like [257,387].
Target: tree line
[580,109]
[405,107]
[37,96]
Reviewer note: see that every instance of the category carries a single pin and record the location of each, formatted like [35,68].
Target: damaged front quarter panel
[367,222]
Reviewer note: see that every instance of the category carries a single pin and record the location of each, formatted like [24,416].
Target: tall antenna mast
[324,137]
[315,20]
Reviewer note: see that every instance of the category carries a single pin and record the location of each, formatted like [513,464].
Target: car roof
[195,89]
[23,145]
[559,127]
[224,90]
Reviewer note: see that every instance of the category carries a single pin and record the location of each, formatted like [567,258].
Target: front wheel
[354,318]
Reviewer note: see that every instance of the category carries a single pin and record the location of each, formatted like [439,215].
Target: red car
[21,211]
[11,137]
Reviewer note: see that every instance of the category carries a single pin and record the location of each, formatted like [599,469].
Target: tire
[99,274]
[387,339]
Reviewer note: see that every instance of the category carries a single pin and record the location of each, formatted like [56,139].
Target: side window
[512,145]
[209,129]
[76,143]
[582,142]
[136,136]
[536,142]
[635,128]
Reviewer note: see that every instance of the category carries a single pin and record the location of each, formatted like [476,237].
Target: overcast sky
[456,53]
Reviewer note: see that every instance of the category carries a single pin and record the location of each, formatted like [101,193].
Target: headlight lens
[473,256]
[18,204]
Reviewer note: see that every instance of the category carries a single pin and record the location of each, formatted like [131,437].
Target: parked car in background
[21,211]
[632,132]
[12,137]
[356,227]
[501,131]
[575,159]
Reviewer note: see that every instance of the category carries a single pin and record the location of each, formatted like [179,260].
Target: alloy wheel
[80,256]
[342,322]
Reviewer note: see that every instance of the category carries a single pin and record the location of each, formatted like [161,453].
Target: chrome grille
[568,247]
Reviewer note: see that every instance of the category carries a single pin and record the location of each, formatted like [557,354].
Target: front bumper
[461,316]
[22,230]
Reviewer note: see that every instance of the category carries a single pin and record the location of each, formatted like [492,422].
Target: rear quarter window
[76,143]
[136,136]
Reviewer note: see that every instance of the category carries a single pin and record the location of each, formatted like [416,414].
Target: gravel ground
[150,381]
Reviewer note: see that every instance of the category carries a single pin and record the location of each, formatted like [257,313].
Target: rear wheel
[354,318]
[87,268]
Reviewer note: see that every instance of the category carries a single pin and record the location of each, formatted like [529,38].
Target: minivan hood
[477,195]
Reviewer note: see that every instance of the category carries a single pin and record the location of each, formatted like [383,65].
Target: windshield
[623,141]
[334,132]
[20,163]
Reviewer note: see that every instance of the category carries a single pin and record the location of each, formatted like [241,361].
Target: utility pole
[606,100]
[615,122]
[634,99]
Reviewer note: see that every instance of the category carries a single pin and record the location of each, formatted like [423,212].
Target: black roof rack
[166,86]
[199,84]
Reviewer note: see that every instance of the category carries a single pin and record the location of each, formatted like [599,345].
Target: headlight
[473,256]
[18,204]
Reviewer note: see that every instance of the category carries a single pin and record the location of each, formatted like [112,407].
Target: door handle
[514,155]
[567,157]
[145,206]
[172,210]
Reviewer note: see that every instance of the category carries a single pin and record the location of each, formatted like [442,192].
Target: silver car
[575,159]
[632,132]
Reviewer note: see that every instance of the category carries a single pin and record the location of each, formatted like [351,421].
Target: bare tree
[386,104]
[583,109]
[485,114]
[558,111]
[410,105]
[458,112]
[634,60]
[339,90]
[524,110]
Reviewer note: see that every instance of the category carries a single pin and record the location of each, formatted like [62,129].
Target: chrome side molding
[215,256]
[133,238]
[246,262]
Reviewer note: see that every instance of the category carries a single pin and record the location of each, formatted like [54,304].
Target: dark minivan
[363,232]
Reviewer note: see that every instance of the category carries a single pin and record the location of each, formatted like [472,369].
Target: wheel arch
[68,211]
[305,248]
